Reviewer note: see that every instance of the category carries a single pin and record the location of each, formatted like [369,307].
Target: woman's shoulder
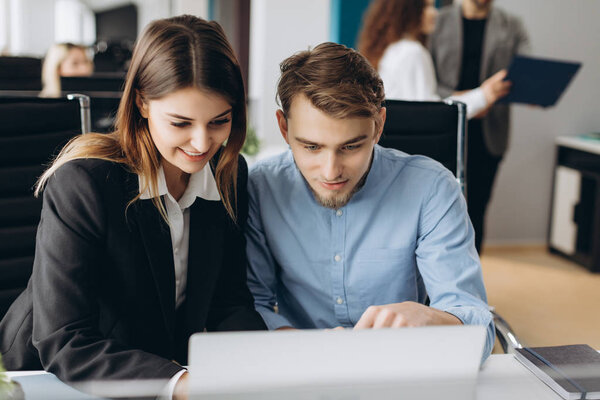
[102,173]
[404,51]
[407,47]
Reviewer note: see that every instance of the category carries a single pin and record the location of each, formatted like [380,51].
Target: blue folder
[538,81]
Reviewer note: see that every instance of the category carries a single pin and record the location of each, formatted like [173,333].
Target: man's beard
[336,202]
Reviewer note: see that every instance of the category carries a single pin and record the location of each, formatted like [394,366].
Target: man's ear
[382,115]
[141,105]
[283,125]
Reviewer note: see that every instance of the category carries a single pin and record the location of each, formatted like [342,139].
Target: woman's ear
[141,105]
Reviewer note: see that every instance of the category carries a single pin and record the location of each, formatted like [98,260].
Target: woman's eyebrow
[178,116]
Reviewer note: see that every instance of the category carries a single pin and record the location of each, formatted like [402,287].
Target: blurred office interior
[522,277]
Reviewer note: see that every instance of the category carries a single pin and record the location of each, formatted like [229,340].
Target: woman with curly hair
[393,40]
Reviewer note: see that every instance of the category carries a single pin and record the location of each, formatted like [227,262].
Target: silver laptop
[413,363]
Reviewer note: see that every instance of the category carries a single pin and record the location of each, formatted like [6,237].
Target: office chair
[98,82]
[438,130]
[20,73]
[32,131]
[105,92]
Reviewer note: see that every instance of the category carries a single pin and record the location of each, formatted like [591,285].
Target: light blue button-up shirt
[404,235]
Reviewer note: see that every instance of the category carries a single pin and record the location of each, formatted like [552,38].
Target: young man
[472,41]
[342,232]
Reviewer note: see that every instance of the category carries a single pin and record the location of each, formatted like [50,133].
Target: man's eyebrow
[305,141]
[178,116]
[353,140]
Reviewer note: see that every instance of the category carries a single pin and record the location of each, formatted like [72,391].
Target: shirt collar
[201,184]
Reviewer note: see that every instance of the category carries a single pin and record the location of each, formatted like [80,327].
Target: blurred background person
[472,41]
[64,59]
[393,40]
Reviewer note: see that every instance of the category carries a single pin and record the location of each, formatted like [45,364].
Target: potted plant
[252,143]
[9,389]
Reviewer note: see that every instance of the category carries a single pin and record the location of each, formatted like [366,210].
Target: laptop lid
[423,363]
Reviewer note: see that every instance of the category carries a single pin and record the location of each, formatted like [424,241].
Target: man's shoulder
[278,166]
[445,27]
[507,17]
[406,164]
[445,11]
[415,176]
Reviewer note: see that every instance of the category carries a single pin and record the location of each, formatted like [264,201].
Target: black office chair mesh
[98,82]
[31,132]
[438,130]
[20,73]
[433,129]
[105,92]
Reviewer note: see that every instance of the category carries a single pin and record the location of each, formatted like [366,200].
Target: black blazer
[100,303]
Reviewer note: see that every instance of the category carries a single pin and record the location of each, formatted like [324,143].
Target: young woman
[392,39]
[140,242]
[63,59]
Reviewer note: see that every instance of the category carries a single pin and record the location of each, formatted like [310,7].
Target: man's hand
[406,314]
[181,391]
[285,328]
[337,328]
[495,87]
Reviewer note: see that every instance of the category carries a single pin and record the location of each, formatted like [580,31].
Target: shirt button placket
[339,245]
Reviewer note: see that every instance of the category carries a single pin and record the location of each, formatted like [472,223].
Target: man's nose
[332,167]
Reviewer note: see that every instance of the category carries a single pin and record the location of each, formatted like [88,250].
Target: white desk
[501,378]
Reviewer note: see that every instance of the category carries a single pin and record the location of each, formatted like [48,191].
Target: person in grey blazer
[472,41]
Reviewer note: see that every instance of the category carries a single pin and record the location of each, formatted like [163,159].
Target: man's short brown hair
[336,79]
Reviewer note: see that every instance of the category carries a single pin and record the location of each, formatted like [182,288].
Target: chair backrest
[99,82]
[433,129]
[105,91]
[104,106]
[31,132]
[20,73]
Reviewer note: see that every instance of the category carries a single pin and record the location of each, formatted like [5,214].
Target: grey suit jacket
[504,37]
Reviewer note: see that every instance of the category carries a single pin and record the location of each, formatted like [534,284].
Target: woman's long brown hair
[387,21]
[172,54]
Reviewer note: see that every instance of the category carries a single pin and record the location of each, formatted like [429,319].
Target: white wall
[278,29]
[149,10]
[31,27]
[74,22]
[4,26]
[198,8]
[569,30]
